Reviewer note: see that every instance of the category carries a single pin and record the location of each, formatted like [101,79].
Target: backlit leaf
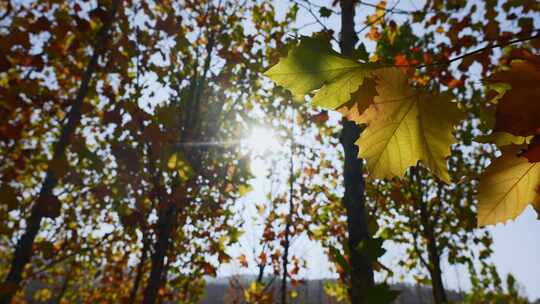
[405,126]
[313,65]
[503,139]
[507,186]
[518,111]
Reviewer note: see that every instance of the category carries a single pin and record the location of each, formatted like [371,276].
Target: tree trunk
[439,294]
[361,276]
[23,248]
[260,276]
[286,245]
[140,272]
[158,257]
[427,219]
[167,218]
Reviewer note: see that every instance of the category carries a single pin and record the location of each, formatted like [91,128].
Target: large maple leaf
[518,110]
[313,65]
[507,186]
[406,125]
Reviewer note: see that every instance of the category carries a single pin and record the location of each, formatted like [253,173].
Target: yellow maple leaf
[406,125]
[507,186]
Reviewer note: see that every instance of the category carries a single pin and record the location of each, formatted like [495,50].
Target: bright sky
[516,246]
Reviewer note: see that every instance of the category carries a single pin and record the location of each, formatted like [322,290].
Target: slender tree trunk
[140,272]
[427,219]
[23,248]
[260,276]
[361,276]
[161,246]
[439,294]
[167,216]
[158,257]
[286,244]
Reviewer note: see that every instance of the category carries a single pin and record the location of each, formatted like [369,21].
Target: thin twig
[67,256]
[390,10]
[378,18]
[309,8]
[446,62]
[322,6]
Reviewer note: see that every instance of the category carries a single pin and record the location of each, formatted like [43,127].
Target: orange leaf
[455,83]
[401,59]
[243,261]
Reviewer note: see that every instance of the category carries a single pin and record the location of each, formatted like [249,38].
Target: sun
[261,143]
[261,140]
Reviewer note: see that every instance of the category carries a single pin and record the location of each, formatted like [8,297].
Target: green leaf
[325,12]
[405,126]
[361,53]
[313,65]
[340,259]
[507,186]
[381,294]
[373,226]
[372,248]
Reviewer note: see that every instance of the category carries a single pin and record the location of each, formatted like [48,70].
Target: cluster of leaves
[512,181]
[405,125]
[407,120]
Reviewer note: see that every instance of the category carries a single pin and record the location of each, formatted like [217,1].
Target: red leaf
[533,151]
[320,118]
